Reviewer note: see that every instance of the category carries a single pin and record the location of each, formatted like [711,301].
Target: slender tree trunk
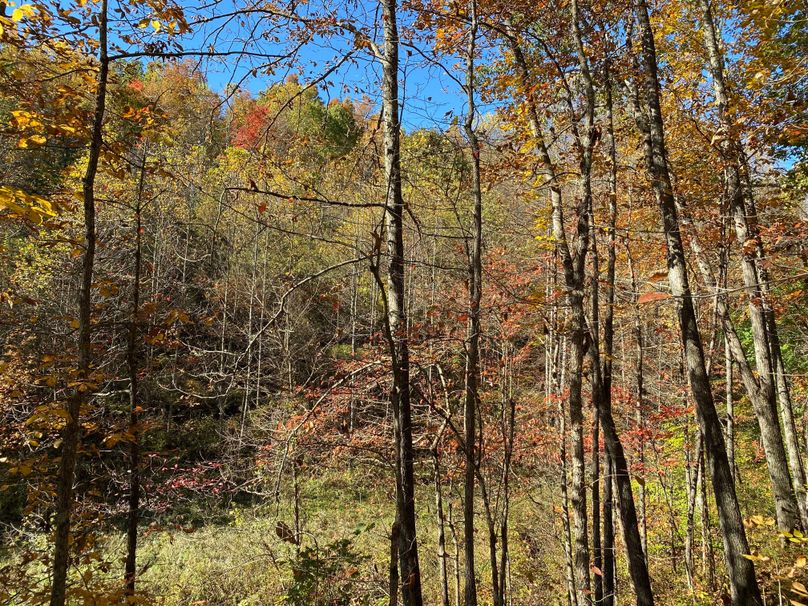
[730,422]
[490,521]
[134,396]
[573,265]
[509,430]
[559,368]
[396,325]
[567,527]
[628,515]
[72,430]
[639,409]
[744,587]
[708,555]
[607,548]
[693,468]
[609,568]
[789,492]
[455,556]
[392,588]
[473,339]
[442,564]
[597,548]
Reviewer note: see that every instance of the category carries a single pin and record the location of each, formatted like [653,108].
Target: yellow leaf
[25,10]
[31,207]
[156,25]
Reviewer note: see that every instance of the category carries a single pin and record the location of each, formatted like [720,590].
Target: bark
[79,397]
[609,587]
[640,381]
[628,515]
[730,422]
[560,361]
[509,430]
[455,556]
[392,588]
[490,521]
[789,492]
[760,394]
[132,362]
[473,337]
[572,260]
[708,555]
[607,549]
[442,565]
[597,547]
[396,314]
[741,571]
[693,469]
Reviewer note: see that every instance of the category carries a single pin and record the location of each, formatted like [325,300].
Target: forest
[403,302]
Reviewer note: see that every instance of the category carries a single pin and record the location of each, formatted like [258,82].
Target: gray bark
[396,325]
[789,492]
[741,571]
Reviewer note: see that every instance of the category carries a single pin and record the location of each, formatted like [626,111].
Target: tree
[741,571]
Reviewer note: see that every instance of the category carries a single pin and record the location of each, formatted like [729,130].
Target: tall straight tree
[79,397]
[743,584]
[573,260]
[791,499]
[601,370]
[133,518]
[475,276]
[397,313]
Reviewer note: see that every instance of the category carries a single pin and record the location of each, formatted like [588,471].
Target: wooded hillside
[421,302]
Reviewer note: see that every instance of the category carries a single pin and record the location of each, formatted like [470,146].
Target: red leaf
[652,296]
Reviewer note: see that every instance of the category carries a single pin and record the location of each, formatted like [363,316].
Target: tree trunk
[744,587]
[134,396]
[473,337]
[693,468]
[628,514]
[442,565]
[609,589]
[597,547]
[79,398]
[708,555]
[396,314]
[392,588]
[455,556]
[559,367]
[509,429]
[789,495]
[730,416]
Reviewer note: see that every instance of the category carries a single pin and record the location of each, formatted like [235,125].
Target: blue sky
[430,95]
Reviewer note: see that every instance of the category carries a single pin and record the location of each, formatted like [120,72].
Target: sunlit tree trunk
[396,314]
[743,585]
[730,416]
[789,492]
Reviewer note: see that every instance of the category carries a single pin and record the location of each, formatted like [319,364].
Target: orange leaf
[651,296]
